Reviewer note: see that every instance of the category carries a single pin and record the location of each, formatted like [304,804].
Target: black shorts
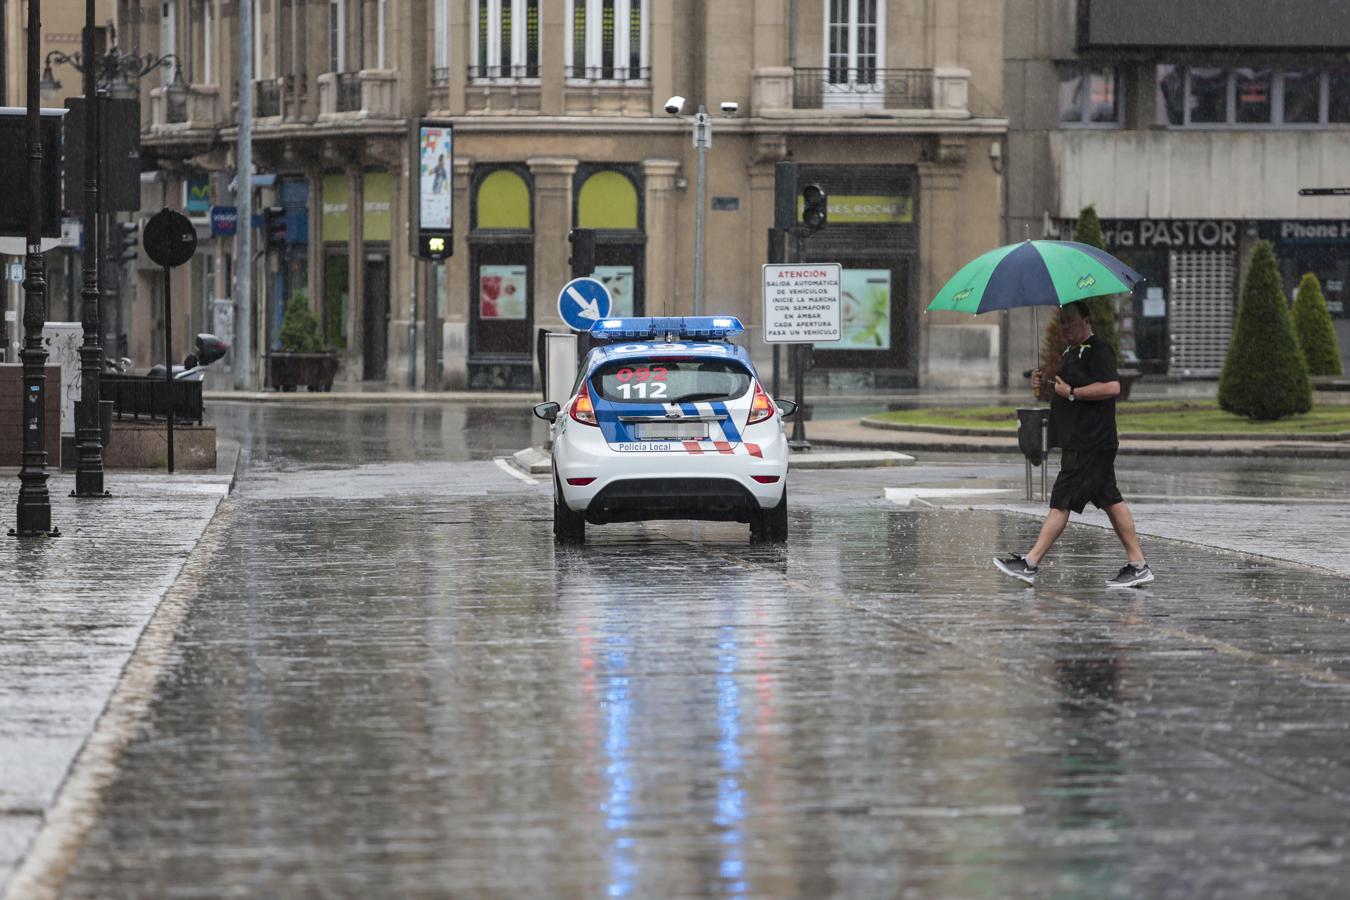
[1086,478]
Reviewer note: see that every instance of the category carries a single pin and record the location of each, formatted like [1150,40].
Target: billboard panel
[436,163]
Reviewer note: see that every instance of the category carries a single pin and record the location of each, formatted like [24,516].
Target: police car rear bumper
[640,499]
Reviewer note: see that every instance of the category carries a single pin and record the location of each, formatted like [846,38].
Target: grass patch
[1146,416]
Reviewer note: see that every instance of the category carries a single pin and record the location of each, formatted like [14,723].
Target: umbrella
[1034,273]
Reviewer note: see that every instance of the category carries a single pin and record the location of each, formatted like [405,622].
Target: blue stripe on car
[728,426]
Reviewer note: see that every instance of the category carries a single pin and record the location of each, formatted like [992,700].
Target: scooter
[209,349]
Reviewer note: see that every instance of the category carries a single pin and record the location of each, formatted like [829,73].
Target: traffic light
[127,245]
[814,207]
[274,226]
[435,247]
[582,259]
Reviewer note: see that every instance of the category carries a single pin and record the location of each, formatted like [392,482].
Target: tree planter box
[315,371]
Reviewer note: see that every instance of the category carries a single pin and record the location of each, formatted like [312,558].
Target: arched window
[609,200]
[501,274]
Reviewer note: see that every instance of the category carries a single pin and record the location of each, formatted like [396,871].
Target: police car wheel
[568,527]
[771,525]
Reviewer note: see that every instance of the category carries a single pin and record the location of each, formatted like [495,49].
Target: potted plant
[302,359]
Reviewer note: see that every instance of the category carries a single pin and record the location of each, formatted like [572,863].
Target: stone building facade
[559,122]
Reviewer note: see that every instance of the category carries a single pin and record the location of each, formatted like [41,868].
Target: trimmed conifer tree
[299,328]
[1264,375]
[1312,325]
[1088,230]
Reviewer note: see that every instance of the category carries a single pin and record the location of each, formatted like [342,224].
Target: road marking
[907,496]
[510,469]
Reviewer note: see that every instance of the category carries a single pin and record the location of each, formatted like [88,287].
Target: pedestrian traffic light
[434,246]
[127,249]
[814,207]
[274,226]
[582,259]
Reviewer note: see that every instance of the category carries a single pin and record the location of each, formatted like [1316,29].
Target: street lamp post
[113,72]
[702,123]
[34,506]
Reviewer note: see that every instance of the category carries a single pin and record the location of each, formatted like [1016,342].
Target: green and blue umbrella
[1035,273]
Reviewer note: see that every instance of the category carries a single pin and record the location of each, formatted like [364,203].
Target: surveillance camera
[730,107]
[675,105]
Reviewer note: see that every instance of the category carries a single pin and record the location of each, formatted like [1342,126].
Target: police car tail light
[761,407]
[583,410]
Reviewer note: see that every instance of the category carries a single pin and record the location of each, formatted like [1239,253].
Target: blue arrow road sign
[582,302]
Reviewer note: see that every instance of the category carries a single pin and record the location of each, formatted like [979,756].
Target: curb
[1330,437]
[373,397]
[534,461]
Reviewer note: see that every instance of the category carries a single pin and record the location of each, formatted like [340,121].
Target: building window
[337,35]
[1212,96]
[505,41]
[854,41]
[441,42]
[608,199]
[607,40]
[1089,95]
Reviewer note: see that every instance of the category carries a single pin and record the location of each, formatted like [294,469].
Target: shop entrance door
[375,334]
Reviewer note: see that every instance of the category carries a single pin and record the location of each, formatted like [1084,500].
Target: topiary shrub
[1264,375]
[299,328]
[1088,230]
[1312,326]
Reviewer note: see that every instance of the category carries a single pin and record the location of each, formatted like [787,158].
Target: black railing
[140,396]
[349,92]
[268,99]
[844,87]
[503,73]
[440,76]
[608,73]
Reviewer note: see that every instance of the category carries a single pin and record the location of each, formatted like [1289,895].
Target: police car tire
[771,525]
[568,527]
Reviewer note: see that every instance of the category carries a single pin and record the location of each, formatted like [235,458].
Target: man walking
[1084,411]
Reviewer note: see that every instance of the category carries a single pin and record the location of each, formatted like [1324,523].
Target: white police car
[668,420]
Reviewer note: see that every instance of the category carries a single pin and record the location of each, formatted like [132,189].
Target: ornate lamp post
[34,506]
[113,71]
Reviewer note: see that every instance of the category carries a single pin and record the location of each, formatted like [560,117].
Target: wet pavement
[389,683]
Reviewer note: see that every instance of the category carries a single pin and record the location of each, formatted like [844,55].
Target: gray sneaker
[1017,566]
[1129,576]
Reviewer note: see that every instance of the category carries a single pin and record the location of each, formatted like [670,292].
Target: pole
[168,360]
[34,507]
[88,428]
[800,352]
[776,256]
[243,257]
[412,327]
[702,138]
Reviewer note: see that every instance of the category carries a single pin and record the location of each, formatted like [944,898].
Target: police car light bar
[711,328]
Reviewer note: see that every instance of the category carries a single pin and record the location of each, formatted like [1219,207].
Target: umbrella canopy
[1035,273]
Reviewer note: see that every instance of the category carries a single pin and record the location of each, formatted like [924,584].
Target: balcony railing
[267,102]
[616,74]
[837,87]
[349,92]
[504,73]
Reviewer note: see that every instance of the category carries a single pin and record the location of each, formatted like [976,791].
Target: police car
[668,420]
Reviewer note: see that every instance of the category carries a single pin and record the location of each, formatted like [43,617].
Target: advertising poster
[436,151]
[619,280]
[865,296]
[502,292]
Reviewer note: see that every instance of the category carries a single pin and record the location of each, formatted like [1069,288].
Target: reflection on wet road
[393,685]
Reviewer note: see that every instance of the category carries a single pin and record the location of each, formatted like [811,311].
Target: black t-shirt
[1086,425]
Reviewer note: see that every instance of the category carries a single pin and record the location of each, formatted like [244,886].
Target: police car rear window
[671,380]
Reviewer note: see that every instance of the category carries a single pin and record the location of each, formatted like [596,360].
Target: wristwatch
[1071,395]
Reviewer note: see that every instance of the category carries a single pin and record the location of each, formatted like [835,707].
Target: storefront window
[336,227]
[1208,96]
[502,291]
[1253,95]
[501,247]
[608,201]
[1338,96]
[1302,96]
